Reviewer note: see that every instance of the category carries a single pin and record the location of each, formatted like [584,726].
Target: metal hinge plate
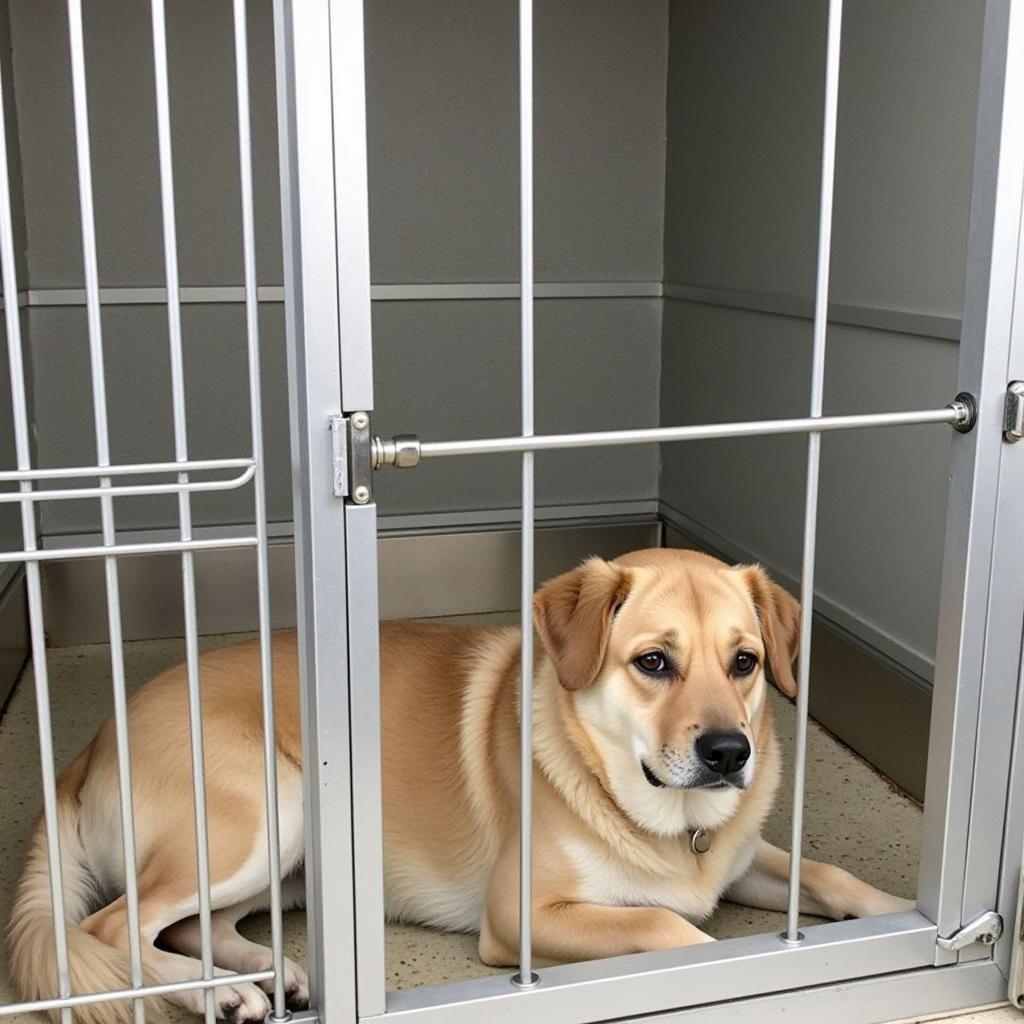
[983,931]
[356,453]
[351,457]
[1013,419]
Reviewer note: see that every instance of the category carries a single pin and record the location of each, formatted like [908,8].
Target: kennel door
[924,961]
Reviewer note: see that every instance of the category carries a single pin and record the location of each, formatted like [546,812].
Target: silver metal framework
[249,470]
[935,958]
[892,955]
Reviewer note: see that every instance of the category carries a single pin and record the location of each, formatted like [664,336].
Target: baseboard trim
[895,321]
[850,681]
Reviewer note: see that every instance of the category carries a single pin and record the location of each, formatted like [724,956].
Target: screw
[361,494]
[360,420]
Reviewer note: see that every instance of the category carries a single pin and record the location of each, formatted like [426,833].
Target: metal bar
[362,575]
[828,166]
[146,992]
[526,977]
[954,414]
[646,983]
[31,555]
[163,117]
[19,409]
[94,319]
[280,1011]
[107,493]
[303,36]
[126,469]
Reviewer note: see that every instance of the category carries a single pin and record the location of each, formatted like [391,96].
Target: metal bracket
[1013,419]
[983,931]
[355,454]
[351,457]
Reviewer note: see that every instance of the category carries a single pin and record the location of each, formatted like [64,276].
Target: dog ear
[573,614]
[779,613]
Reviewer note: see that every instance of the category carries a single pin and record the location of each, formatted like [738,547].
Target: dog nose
[723,752]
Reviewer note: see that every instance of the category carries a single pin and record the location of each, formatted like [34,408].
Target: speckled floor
[854,817]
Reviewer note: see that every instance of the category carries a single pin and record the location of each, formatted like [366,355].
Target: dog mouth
[651,777]
[710,785]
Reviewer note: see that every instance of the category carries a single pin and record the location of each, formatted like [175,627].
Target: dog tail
[93,965]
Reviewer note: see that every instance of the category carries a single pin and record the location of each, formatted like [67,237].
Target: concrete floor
[854,817]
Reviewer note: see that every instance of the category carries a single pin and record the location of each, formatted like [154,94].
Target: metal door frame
[880,968]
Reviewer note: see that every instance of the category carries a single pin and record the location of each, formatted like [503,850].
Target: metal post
[12,315]
[526,978]
[303,40]
[92,299]
[828,161]
[163,116]
[280,1010]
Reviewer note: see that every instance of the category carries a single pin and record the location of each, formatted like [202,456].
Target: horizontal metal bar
[126,469]
[647,983]
[102,550]
[130,490]
[144,992]
[952,414]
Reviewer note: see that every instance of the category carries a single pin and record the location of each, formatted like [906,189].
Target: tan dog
[653,740]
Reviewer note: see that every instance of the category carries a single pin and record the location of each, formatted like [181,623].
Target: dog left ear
[573,614]
[779,613]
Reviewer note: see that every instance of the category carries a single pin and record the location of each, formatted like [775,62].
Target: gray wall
[744,117]
[442,111]
[10,516]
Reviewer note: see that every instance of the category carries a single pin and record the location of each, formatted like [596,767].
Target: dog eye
[744,663]
[654,663]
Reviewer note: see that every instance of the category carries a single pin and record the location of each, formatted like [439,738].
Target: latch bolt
[1013,421]
[982,931]
[401,451]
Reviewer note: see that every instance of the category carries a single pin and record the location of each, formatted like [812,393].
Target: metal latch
[1013,419]
[355,454]
[982,931]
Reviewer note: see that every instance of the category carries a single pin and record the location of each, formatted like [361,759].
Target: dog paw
[242,1004]
[296,984]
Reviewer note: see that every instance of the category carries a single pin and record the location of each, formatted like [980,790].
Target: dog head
[665,653]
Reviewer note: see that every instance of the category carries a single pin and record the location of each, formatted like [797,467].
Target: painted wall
[744,121]
[442,110]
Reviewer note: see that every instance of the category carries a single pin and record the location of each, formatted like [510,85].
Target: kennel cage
[949,953]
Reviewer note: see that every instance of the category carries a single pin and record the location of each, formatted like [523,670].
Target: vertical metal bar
[351,202]
[364,704]
[93,312]
[355,350]
[303,41]
[828,161]
[163,117]
[280,1011]
[526,977]
[970,703]
[19,404]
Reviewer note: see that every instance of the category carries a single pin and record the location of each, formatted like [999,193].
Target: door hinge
[356,453]
[1013,417]
[982,931]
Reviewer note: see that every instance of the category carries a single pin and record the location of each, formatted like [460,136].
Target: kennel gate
[949,953]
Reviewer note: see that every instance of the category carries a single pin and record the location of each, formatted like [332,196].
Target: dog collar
[700,840]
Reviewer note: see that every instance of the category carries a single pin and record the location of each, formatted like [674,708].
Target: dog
[655,766]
